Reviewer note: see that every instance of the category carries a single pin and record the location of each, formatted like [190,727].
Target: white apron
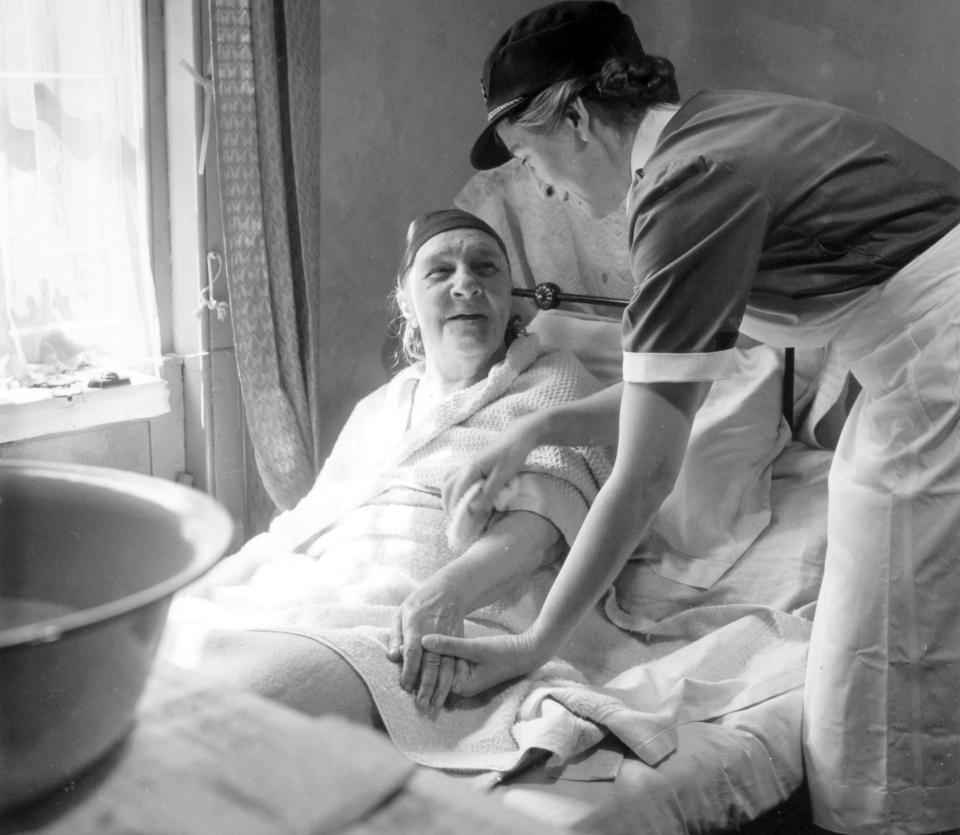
[882,700]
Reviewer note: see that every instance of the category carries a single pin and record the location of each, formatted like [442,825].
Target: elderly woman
[325,611]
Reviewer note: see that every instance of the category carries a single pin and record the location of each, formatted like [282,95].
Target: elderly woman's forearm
[513,548]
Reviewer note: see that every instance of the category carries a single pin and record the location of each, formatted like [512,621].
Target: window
[75,280]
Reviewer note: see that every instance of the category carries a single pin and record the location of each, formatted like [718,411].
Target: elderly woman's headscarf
[421,230]
[430,224]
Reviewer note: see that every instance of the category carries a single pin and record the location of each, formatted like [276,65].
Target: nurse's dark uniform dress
[801,223]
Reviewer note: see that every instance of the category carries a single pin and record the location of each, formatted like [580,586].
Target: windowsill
[35,412]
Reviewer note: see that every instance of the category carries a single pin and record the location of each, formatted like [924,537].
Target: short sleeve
[696,233]
[553,499]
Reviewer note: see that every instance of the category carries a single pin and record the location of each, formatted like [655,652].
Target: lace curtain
[75,281]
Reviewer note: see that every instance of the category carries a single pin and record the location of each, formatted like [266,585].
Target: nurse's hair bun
[638,84]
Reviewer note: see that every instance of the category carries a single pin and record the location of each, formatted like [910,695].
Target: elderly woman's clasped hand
[433,607]
[427,633]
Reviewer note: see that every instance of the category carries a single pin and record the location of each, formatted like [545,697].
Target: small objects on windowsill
[55,382]
[53,400]
[58,385]
[108,379]
[25,382]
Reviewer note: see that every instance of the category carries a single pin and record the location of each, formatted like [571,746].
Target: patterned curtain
[269,176]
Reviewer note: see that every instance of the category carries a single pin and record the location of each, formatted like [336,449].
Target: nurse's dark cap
[552,44]
[431,224]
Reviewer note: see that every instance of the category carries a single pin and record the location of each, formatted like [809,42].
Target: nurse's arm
[655,421]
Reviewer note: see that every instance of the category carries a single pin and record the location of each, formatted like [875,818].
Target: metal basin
[89,560]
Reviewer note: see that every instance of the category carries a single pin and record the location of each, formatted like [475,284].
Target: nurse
[797,223]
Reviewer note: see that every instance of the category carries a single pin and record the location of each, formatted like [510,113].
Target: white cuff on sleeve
[678,368]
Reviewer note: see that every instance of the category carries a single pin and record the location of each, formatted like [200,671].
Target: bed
[716,608]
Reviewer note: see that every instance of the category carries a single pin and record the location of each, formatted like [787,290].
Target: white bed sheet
[731,770]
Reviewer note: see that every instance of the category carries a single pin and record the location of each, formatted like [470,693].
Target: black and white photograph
[479,416]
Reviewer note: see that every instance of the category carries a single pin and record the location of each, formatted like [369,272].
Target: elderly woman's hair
[623,92]
[410,347]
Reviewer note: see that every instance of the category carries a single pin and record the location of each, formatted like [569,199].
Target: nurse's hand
[490,661]
[495,466]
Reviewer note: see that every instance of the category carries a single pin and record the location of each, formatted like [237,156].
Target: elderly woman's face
[458,293]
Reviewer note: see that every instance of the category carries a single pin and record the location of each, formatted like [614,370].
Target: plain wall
[895,59]
[400,92]
[401,105]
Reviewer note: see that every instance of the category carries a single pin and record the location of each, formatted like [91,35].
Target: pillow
[594,340]
[721,501]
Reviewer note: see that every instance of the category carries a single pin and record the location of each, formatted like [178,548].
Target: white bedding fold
[640,686]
